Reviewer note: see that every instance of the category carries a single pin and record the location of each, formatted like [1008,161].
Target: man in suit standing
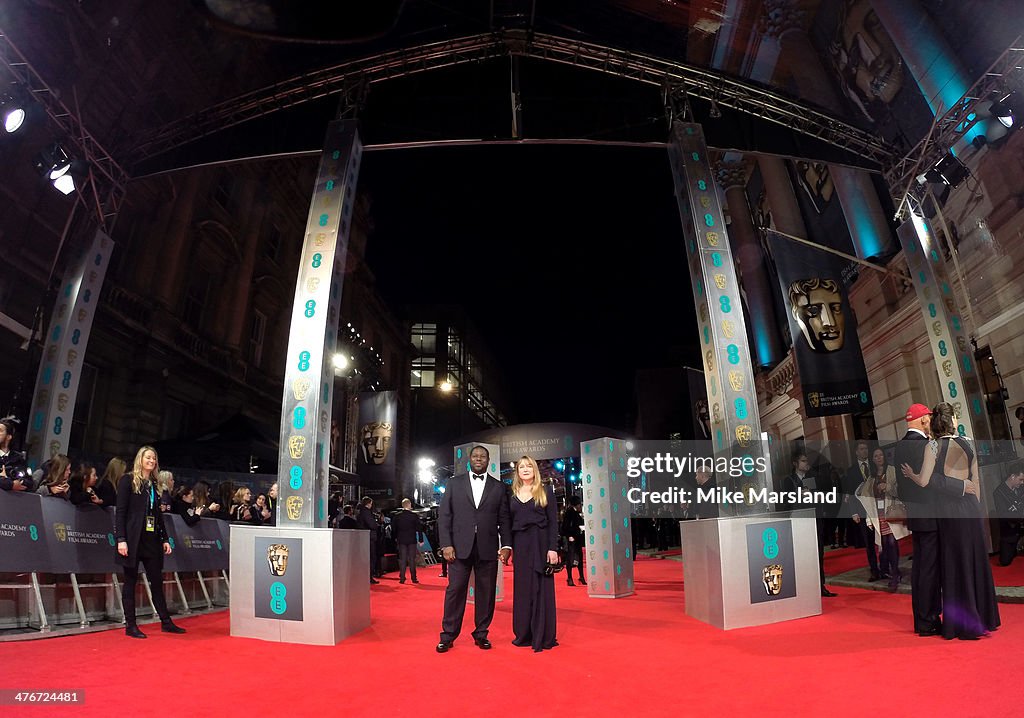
[857,474]
[798,482]
[408,533]
[1010,510]
[922,504]
[367,521]
[474,513]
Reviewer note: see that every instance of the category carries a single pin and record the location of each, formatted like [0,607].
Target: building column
[732,176]
[940,75]
[856,192]
[175,251]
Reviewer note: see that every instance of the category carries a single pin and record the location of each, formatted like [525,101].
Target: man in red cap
[922,507]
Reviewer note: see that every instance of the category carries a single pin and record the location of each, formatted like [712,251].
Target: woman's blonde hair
[239,496]
[163,480]
[137,471]
[540,496]
[116,468]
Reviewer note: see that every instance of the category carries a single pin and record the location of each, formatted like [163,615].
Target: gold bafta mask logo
[62,401]
[703,312]
[736,380]
[705,202]
[293,505]
[771,576]
[712,238]
[63,310]
[720,281]
[188,541]
[947,368]
[300,389]
[744,434]
[296,446]
[320,239]
[817,307]
[312,284]
[937,328]
[62,532]
[72,356]
[593,555]
[277,558]
[814,399]
[44,397]
[82,314]
[51,352]
[92,277]
[728,329]
[961,344]
[376,442]
[958,409]
[949,305]
[709,360]
[54,448]
[716,413]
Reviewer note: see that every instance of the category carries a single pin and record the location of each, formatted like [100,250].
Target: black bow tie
[481,477]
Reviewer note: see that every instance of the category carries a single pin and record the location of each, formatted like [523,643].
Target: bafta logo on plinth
[277,559]
[772,577]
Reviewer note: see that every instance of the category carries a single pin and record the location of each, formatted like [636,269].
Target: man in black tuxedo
[923,506]
[474,513]
[366,520]
[408,533]
[798,482]
[857,474]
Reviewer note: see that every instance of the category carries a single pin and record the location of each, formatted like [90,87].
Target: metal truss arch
[735,93]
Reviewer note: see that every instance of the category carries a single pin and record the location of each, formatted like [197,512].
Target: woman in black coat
[141,536]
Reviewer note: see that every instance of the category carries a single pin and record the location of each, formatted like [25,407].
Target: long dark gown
[534,533]
[968,592]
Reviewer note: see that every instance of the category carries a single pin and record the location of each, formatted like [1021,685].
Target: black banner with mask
[828,357]
[378,424]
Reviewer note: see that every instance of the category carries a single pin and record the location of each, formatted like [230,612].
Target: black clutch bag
[552,568]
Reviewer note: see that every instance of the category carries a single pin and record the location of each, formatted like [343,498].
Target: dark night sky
[579,253]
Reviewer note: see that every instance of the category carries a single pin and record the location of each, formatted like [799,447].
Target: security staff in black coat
[922,504]
[366,520]
[141,536]
[796,483]
[14,475]
[408,533]
[572,537]
[1009,503]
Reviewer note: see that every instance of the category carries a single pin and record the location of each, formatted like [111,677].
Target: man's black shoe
[930,632]
[827,594]
[874,577]
[482,643]
[171,628]
[134,632]
[443,646]
[415,581]
[373,580]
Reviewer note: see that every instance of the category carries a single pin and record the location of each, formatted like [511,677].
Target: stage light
[340,362]
[57,166]
[12,112]
[715,113]
[425,463]
[446,386]
[948,171]
[1002,112]
[559,464]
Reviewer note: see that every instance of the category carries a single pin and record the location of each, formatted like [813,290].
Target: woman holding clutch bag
[534,547]
[878,494]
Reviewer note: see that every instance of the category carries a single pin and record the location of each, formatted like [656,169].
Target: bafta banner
[828,357]
[378,423]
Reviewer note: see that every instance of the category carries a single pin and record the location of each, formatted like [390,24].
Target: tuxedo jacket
[460,521]
[923,502]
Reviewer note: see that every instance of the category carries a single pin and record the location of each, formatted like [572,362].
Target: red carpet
[616,657]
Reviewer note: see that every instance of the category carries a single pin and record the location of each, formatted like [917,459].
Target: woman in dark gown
[969,608]
[534,545]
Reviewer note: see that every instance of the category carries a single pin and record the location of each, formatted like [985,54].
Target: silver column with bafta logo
[302,582]
[737,555]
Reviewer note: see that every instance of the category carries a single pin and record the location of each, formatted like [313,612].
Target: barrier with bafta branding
[46,535]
